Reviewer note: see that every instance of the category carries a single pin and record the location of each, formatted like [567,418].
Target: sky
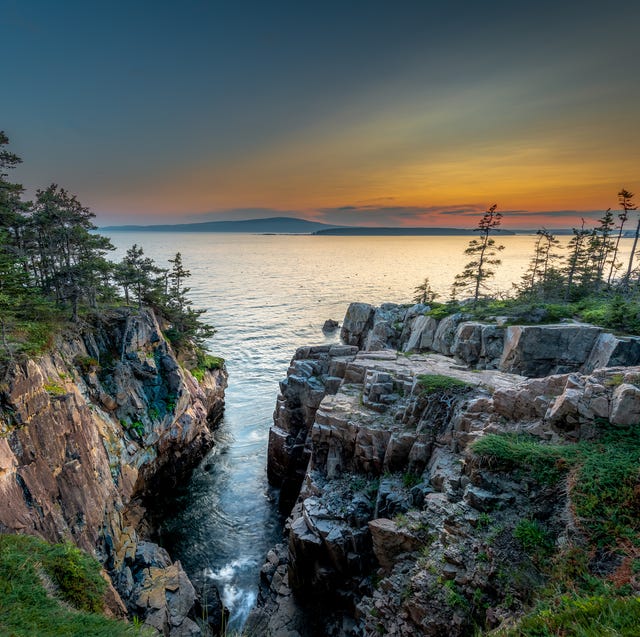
[416,113]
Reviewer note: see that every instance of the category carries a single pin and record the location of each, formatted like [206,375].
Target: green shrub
[87,364]
[206,363]
[440,310]
[410,480]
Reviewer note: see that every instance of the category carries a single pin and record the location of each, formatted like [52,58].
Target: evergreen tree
[577,259]
[541,278]
[423,293]
[624,199]
[604,231]
[483,250]
[136,273]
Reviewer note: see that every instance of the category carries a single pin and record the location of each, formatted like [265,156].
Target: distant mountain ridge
[293,225]
[277,225]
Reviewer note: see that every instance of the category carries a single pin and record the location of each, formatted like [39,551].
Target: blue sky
[393,113]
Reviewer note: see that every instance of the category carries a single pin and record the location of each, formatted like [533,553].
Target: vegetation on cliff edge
[53,589]
[591,586]
[54,270]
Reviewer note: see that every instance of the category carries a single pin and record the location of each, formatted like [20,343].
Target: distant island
[360,231]
[271,225]
[292,225]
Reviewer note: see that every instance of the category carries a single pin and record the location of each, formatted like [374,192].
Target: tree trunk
[625,283]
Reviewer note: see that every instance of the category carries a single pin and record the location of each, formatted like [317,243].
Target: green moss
[27,608]
[54,389]
[436,383]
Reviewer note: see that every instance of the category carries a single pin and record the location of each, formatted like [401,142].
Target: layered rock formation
[399,528]
[107,417]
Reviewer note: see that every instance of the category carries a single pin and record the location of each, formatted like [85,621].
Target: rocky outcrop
[87,430]
[529,350]
[540,350]
[314,372]
[399,529]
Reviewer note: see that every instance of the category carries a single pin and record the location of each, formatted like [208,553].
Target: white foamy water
[268,295]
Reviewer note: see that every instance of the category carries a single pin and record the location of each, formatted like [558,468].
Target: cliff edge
[108,417]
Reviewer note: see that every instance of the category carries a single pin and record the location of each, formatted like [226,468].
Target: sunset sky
[350,112]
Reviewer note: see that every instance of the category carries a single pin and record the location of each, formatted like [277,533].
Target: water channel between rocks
[268,295]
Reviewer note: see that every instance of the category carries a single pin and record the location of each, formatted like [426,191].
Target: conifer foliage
[53,265]
[483,251]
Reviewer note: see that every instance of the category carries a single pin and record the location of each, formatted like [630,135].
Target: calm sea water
[268,295]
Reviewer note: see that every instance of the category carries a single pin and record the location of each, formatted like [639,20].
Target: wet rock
[330,325]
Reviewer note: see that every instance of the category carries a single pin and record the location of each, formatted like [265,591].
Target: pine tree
[577,259]
[423,293]
[136,273]
[604,231]
[483,250]
[624,199]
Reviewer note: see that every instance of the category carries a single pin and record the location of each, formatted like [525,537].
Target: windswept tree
[625,200]
[542,275]
[424,293]
[577,259]
[483,251]
[603,246]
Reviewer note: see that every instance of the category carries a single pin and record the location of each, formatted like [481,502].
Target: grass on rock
[49,590]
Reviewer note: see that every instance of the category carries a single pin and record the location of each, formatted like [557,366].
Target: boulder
[357,322]
[541,350]
[330,325]
[391,540]
[625,405]
[421,333]
[446,332]
[610,350]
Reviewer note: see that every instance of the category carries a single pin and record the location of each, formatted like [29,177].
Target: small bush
[206,363]
[54,389]
[87,364]
[437,383]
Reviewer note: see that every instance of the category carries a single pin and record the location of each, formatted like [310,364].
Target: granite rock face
[392,492]
[529,350]
[107,417]
[540,350]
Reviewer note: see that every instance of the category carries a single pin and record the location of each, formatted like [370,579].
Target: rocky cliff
[106,418]
[408,520]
